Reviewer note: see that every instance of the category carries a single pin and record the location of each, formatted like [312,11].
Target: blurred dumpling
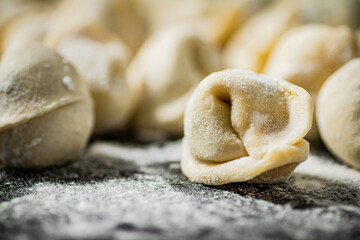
[242,126]
[331,12]
[216,19]
[169,66]
[116,16]
[250,46]
[101,60]
[307,55]
[337,113]
[45,107]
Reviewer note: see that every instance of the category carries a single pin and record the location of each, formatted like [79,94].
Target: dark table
[137,191]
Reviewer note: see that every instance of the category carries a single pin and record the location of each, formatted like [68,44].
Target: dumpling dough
[169,66]
[101,60]
[250,46]
[337,112]
[46,113]
[307,55]
[116,16]
[242,126]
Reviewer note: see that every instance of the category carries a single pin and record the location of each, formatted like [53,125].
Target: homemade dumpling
[242,126]
[250,46]
[337,112]
[101,60]
[307,55]
[46,112]
[116,16]
[169,66]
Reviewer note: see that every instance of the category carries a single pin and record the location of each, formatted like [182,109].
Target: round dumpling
[337,112]
[101,60]
[250,46]
[242,126]
[169,66]
[46,112]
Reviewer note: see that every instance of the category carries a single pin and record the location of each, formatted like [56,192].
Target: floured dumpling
[307,55]
[250,46]
[216,19]
[101,60]
[242,126]
[116,16]
[337,112]
[29,26]
[46,113]
[169,66]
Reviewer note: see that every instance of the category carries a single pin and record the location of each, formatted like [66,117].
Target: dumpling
[116,16]
[307,55]
[29,26]
[46,112]
[101,60]
[243,126]
[169,66]
[337,112]
[250,46]
[216,19]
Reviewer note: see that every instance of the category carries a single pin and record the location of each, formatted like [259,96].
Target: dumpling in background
[242,126]
[101,59]
[250,46]
[307,55]
[337,113]
[216,18]
[29,26]
[116,16]
[46,112]
[169,66]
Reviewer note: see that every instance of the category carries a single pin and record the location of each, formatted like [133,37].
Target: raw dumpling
[307,55]
[46,112]
[101,60]
[242,126]
[169,66]
[250,46]
[116,16]
[337,112]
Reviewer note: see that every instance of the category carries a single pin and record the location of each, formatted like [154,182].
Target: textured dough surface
[169,66]
[337,112]
[46,110]
[239,125]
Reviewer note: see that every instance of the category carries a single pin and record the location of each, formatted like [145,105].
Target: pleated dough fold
[240,125]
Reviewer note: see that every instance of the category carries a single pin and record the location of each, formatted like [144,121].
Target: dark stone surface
[132,191]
